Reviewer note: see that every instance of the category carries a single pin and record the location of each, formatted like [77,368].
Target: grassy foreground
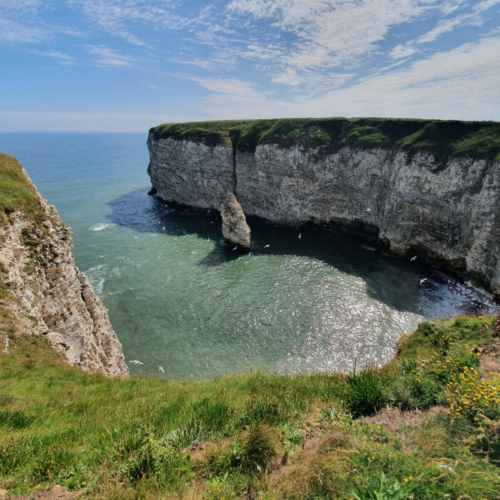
[443,138]
[259,435]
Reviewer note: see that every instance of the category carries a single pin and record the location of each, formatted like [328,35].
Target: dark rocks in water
[234,225]
[152,191]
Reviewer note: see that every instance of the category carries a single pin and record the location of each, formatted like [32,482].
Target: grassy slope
[443,138]
[124,438]
[16,193]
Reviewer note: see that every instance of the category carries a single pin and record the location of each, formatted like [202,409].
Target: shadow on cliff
[385,277]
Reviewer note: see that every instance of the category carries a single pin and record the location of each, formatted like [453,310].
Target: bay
[180,299]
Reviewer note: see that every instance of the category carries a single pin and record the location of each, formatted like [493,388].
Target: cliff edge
[41,289]
[424,187]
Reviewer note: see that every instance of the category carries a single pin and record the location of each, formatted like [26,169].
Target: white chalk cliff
[54,298]
[446,211]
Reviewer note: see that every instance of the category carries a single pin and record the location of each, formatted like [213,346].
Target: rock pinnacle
[234,225]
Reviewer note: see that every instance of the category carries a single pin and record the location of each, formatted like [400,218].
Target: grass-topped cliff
[258,435]
[442,138]
[16,193]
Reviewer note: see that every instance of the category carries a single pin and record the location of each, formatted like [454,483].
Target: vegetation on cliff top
[442,138]
[16,192]
[259,435]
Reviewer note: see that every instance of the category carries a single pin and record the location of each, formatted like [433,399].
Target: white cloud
[116,16]
[456,84]
[485,5]
[401,51]
[22,5]
[12,32]
[448,25]
[55,54]
[331,33]
[110,57]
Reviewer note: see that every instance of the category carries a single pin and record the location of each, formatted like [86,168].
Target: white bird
[135,237]
[249,253]
[235,248]
[413,258]
[267,246]
[368,210]
[423,280]
[161,369]
[163,228]
[136,362]
[212,222]
[300,235]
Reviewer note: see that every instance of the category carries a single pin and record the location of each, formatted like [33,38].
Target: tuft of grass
[364,394]
[16,192]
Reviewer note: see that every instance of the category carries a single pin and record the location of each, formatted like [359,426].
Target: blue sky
[126,65]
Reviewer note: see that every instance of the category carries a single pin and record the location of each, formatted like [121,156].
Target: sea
[180,299]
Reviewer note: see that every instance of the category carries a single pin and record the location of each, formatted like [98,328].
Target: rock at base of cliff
[234,225]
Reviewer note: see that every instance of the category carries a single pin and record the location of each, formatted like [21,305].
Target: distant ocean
[178,298]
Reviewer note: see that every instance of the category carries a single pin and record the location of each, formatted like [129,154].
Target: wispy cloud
[19,5]
[427,88]
[485,5]
[118,16]
[329,34]
[401,51]
[110,57]
[448,25]
[12,32]
[53,53]
[20,22]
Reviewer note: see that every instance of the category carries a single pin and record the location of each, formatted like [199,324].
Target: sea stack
[234,225]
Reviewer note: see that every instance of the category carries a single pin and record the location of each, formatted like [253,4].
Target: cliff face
[50,296]
[440,200]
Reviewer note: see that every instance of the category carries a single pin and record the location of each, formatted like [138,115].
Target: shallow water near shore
[180,299]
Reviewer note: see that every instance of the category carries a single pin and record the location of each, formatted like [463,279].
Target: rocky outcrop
[445,209]
[52,297]
[234,224]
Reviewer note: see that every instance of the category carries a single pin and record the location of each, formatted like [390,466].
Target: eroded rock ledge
[54,298]
[440,202]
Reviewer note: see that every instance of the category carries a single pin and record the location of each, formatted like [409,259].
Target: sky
[128,65]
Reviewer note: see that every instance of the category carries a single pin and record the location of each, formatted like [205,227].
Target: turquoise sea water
[180,299]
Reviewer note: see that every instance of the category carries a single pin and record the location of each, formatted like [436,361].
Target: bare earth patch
[54,493]
[396,421]
[490,357]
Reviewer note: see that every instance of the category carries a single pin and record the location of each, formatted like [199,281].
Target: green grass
[442,138]
[16,193]
[134,438]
